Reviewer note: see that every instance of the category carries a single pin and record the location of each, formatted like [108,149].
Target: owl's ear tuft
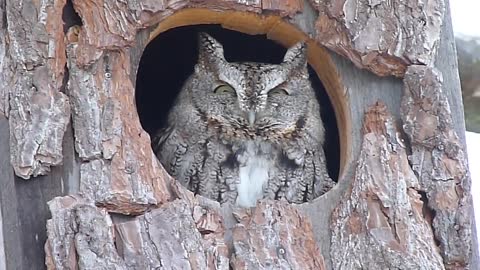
[210,50]
[296,55]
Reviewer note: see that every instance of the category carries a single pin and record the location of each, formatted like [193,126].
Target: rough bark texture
[274,236]
[118,209]
[38,111]
[381,221]
[118,168]
[439,160]
[382,36]
[187,233]
[284,7]
[86,233]
[39,59]
[183,234]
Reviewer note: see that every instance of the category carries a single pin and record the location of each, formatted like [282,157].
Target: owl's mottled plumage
[239,132]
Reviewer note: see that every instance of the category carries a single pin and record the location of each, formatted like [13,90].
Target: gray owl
[239,132]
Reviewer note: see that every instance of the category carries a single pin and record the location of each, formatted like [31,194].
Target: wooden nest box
[97,198]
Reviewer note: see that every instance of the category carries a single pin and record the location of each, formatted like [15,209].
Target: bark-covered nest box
[402,199]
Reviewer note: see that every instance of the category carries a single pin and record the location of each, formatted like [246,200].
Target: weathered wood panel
[116,171]
[23,204]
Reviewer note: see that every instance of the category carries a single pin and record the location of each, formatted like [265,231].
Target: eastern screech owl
[239,132]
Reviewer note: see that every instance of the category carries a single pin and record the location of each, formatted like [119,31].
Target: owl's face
[252,99]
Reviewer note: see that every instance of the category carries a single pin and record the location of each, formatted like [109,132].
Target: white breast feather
[253,174]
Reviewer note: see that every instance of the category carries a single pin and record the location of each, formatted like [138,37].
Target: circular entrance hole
[169,59]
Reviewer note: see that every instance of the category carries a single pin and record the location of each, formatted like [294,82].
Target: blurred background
[466,25]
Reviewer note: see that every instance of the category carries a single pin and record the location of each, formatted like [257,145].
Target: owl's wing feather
[322,181]
[299,178]
[217,177]
[199,166]
[174,154]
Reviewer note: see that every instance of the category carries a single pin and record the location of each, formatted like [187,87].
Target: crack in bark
[380,194]
[428,214]
[70,16]
[439,163]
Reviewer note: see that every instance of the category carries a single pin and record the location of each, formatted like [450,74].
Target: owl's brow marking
[281,85]
[222,82]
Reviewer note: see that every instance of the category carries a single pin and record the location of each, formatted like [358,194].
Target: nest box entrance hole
[170,57]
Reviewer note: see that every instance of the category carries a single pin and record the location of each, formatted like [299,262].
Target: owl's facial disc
[252,98]
[268,98]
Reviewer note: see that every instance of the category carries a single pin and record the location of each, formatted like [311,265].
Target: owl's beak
[251,117]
